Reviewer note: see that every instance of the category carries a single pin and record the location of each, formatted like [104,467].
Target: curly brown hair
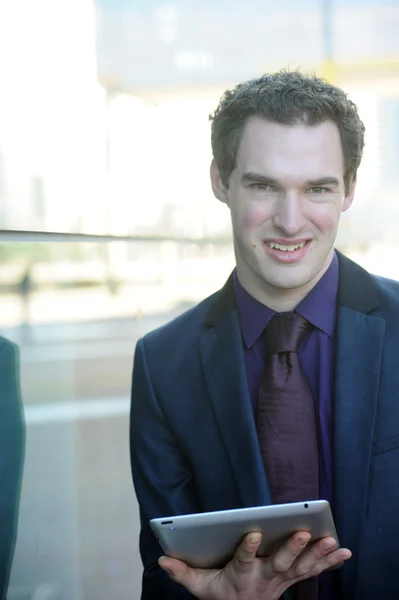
[287,97]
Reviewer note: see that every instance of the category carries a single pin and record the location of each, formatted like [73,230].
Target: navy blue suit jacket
[193,438]
[12,448]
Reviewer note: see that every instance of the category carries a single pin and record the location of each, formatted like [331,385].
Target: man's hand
[248,577]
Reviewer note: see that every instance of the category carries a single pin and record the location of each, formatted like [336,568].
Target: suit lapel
[358,361]
[224,369]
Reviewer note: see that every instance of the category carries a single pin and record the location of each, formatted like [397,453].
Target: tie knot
[285,332]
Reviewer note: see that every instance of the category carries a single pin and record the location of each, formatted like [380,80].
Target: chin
[289,285]
[288,281]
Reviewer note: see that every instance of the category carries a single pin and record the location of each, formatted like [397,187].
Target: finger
[313,554]
[246,552]
[331,560]
[284,558]
[321,555]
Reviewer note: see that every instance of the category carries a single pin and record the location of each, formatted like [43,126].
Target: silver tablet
[210,539]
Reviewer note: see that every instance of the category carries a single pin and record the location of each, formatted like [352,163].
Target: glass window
[105,140]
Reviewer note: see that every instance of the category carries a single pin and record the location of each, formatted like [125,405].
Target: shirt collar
[318,307]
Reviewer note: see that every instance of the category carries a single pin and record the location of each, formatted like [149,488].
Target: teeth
[284,248]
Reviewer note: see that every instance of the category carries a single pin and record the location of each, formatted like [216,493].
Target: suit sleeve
[162,478]
[12,450]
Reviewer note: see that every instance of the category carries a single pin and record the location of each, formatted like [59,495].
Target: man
[208,386]
[12,440]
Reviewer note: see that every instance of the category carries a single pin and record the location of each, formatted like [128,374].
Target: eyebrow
[323,181]
[258,178]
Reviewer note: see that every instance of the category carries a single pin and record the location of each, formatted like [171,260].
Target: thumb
[177,570]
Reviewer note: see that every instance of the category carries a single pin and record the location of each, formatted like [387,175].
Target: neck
[280,299]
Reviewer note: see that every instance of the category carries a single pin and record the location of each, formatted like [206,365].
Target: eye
[318,190]
[263,187]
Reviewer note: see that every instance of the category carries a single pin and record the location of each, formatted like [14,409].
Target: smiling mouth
[286,247]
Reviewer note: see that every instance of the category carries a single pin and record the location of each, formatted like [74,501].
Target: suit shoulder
[388,298]
[185,326]
[388,293]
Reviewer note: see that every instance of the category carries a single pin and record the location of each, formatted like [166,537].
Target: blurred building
[183,43]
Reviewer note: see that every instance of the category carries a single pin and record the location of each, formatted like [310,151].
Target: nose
[289,216]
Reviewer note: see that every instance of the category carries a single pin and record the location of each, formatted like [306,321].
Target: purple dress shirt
[316,354]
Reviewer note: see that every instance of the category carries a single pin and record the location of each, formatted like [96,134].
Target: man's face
[286,195]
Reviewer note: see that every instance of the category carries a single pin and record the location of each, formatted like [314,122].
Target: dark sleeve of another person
[12,452]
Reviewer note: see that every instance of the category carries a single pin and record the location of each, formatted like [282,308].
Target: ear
[217,184]
[350,196]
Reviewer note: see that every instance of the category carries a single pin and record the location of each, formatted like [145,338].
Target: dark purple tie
[286,422]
